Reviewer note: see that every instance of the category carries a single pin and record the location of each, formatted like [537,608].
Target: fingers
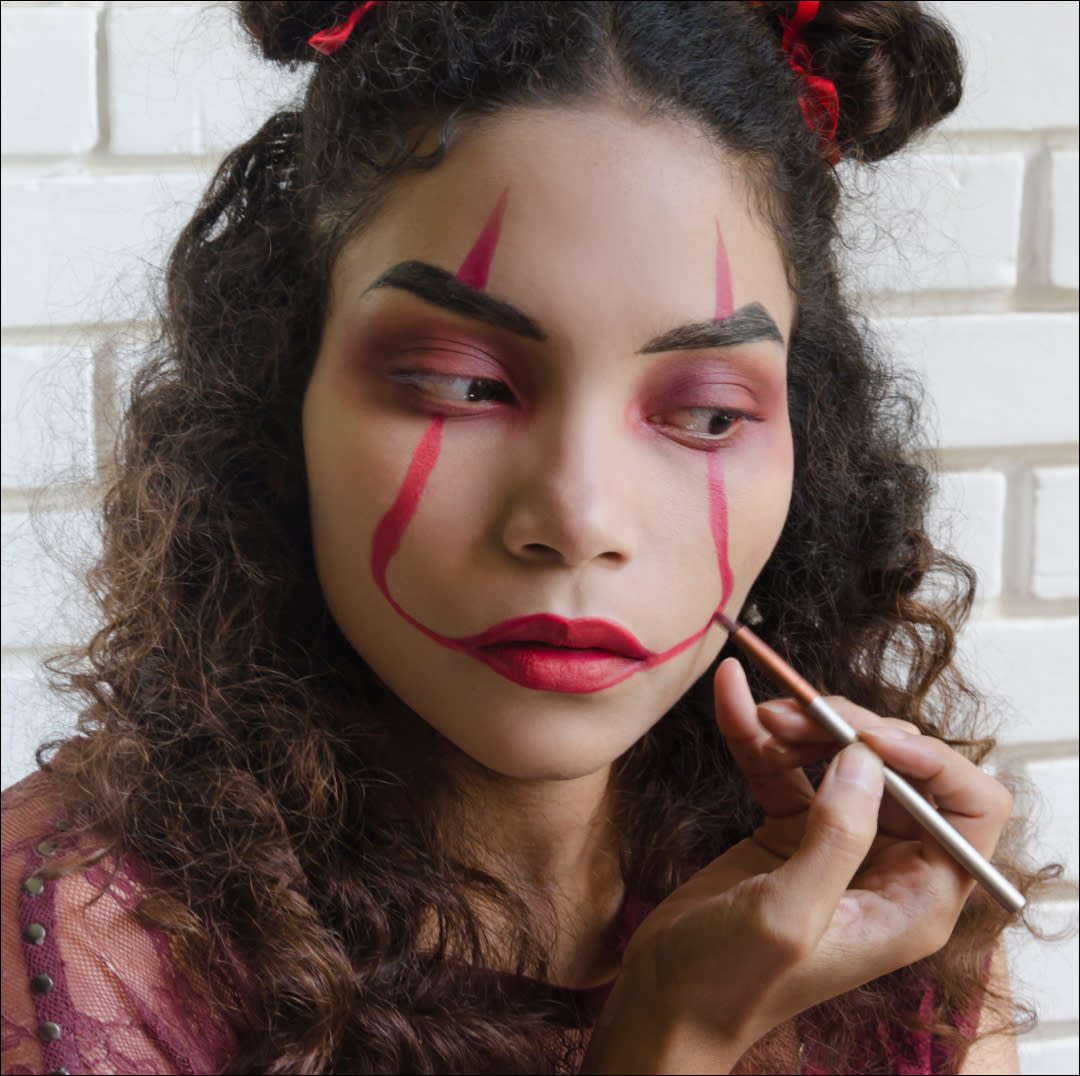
[840,830]
[773,741]
[787,719]
[770,767]
[790,724]
[972,801]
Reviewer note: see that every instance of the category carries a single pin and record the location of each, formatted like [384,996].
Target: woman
[488,380]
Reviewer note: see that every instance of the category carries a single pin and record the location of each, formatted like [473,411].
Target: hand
[824,897]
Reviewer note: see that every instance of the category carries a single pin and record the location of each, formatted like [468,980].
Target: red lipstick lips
[548,630]
[548,653]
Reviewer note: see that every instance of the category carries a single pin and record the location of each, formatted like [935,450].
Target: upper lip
[585,634]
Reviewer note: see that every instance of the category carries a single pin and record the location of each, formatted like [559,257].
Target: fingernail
[776,706]
[889,733]
[858,765]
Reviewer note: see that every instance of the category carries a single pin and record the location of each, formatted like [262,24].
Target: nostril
[539,549]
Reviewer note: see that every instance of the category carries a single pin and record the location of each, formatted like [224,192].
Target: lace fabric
[86,987]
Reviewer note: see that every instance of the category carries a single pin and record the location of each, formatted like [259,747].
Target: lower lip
[549,668]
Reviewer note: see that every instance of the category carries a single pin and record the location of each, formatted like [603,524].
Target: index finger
[778,785]
[973,809]
[971,800]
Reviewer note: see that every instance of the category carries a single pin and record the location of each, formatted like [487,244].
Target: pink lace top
[86,988]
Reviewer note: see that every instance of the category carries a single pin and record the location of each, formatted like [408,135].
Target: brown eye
[702,424]
[456,388]
[484,390]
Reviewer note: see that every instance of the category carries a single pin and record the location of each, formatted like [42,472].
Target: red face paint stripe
[718,523]
[725,304]
[477,264]
[391,528]
[718,520]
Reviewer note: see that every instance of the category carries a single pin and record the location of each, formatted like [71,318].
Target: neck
[554,841]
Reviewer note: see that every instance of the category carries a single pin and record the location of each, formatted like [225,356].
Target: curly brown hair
[236,743]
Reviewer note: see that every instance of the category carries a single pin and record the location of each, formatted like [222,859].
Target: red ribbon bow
[329,41]
[820,103]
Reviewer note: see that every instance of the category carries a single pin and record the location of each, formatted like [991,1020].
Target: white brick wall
[1056,527]
[181,81]
[1064,198]
[46,416]
[49,105]
[937,222]
[974,285]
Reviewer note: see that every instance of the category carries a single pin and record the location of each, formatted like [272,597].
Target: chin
[551,748]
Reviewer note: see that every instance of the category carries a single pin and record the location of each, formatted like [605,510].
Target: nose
[571,501]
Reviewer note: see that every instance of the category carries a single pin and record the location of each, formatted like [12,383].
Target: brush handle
[988,876]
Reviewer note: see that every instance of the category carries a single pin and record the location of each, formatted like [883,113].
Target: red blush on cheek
[477,264]
[725,303]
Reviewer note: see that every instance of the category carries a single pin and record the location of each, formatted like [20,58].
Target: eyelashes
[701,427]
[455,389]
[455,381]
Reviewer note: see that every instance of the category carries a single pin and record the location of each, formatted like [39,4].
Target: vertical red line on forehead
[725,304]
[477,264]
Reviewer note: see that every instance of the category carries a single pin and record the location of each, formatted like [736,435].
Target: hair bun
[281,29]
[897,70]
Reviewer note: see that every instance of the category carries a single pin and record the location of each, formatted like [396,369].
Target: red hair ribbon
[329,41]
[820,103]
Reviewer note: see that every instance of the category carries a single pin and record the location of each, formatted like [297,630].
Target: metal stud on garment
[41,984]
[47,848]
[48,1031]
[33,886]
[34,934]
[64,825]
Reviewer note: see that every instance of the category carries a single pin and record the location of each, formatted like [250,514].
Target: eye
[699,427]
[456,388]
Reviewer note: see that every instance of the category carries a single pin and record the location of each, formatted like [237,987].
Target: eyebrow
[749,323]
[441,288]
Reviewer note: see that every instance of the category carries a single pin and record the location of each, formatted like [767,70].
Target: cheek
[758,503]
[354,470]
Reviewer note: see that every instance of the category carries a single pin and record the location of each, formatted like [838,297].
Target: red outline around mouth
[542,651]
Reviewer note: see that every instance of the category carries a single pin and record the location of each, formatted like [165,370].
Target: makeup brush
[771,663]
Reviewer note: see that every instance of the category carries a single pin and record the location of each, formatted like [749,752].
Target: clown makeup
[546,434]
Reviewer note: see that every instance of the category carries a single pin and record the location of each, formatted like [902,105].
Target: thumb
[840,829]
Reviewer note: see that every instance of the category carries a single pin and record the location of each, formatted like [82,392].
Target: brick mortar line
[1049,1032]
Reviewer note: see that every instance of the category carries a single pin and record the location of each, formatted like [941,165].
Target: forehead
[598,200]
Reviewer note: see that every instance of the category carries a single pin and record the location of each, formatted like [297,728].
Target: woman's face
[547,436]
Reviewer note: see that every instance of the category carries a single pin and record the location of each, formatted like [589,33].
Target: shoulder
[87,987]
[955,1048]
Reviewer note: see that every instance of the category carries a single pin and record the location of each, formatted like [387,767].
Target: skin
[585,494]
[581,481]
